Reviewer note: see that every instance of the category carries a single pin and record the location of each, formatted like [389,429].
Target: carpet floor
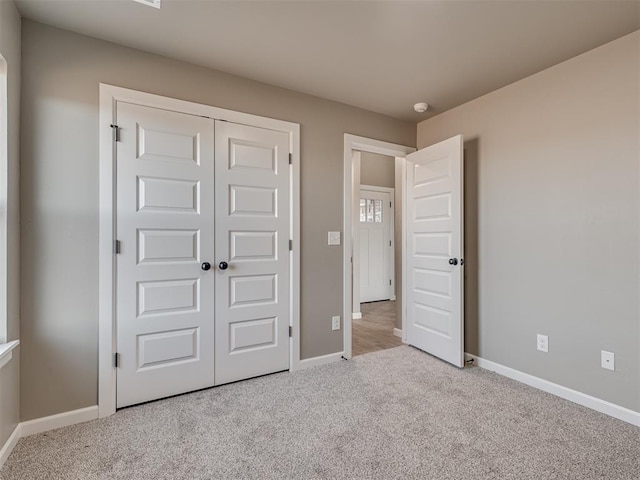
[392,414]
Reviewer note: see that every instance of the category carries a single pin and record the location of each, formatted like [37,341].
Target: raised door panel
[168,195]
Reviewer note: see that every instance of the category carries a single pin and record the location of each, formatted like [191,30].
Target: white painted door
[252,238]
[434,295]
[375,245]
[165,212]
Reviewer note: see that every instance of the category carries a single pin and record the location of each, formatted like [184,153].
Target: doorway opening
[430,291]
[373,312]
[376,324]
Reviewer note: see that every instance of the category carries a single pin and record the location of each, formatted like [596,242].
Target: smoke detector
[150,3]
[419,107]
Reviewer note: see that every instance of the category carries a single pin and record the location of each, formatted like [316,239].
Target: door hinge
[116,132]
[290,244]
[116,247]
[291,159]
[389,282]
[389,242]
[389,204]
[116,360]
[290,331]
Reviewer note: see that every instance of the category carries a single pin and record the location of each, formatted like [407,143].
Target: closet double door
[203,261]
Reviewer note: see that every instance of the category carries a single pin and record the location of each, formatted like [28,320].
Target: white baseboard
[9,445]
[65,419]
[356,315]
[397,332]
[602,406]
[321,360]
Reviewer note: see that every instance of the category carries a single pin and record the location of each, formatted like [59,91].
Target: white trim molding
[44,424]
[6,350]
[397,332]
[356,316]
[4,201]
[321,360]
[9,445]
[354,143]
[109,98]
[597,404]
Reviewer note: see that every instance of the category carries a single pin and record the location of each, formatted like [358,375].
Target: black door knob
[223,265]
[453,261]
[205,266]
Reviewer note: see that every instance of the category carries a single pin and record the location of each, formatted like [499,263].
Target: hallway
[374,331]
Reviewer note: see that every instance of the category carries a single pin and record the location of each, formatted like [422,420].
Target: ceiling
[382,56]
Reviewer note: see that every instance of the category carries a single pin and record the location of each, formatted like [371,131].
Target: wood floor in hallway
[374,331]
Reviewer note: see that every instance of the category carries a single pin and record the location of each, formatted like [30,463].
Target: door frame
[356,247]
[353,145]
[109,96]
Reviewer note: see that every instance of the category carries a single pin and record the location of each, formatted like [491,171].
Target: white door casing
[252,237]
[165,211]
[434,236]
[376,245]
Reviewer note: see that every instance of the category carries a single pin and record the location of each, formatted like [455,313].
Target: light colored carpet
[396,413]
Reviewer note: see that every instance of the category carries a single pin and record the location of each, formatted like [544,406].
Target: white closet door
[165,212]
[252,239]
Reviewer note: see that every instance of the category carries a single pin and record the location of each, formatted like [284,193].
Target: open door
[435,275]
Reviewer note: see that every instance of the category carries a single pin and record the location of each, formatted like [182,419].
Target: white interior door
[434,290]
[252,239]
[165,207]
[375,245]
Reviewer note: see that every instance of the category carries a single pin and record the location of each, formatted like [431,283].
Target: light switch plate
[334,238]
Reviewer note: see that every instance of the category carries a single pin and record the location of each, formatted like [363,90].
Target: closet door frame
[109,97]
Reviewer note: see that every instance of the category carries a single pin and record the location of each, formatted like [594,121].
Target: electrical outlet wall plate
[543,343]
[335,323]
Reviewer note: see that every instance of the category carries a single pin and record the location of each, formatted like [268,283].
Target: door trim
[356,246]
[352,145]
[109,96]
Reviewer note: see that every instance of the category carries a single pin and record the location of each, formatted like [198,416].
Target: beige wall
[377,170]
[553,208]
[9,377]
[61,72]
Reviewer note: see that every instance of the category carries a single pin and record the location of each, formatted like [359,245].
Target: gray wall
[9,376]
[61,72]
[377,170]
[553,186]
